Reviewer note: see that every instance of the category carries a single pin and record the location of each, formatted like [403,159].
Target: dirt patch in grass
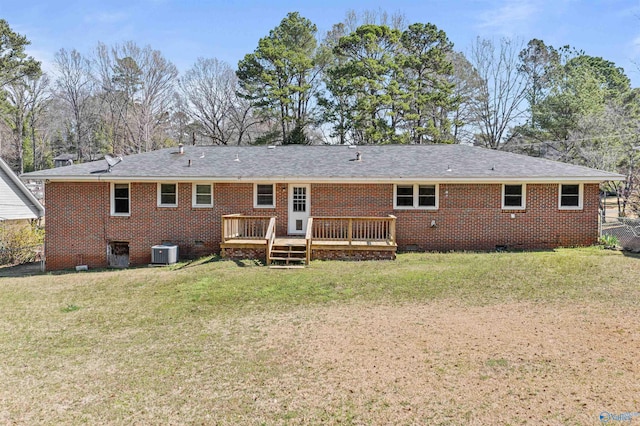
[345,363]
[440,363]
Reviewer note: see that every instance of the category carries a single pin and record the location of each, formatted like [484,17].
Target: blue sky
[184,30]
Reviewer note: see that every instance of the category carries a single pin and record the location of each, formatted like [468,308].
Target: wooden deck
[366,236]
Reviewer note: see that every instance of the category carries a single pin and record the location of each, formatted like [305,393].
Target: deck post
[308,238]
[392,229]
[350,230]
[270,238]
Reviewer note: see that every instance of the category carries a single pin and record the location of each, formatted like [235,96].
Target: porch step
[286,266]
[279,251]
[299,259]
[288,253]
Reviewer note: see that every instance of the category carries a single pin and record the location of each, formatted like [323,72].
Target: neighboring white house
[16,201]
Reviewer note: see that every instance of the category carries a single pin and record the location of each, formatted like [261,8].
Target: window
[426,196]
[264,196]
[299,200]
[570,196]
[514,196]
[167,194]
[404,196]
[202,195]
[415,196]
[120,199]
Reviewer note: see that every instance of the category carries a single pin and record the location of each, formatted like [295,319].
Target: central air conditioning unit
[164,254]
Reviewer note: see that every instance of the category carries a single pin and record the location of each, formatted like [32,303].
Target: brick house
[290,203]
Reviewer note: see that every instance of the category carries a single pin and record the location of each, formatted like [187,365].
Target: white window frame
[580,196]
[113,199]
[255,196]
[160,194]
[416,196]
[194,195]
[523,204]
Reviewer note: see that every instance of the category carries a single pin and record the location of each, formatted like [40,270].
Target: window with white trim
[427,196]
[570,196]
[264,195]
[167,194]
[514,196]
[415,196]
[120,199]
[202,195]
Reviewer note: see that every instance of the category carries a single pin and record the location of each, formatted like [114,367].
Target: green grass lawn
[222,342]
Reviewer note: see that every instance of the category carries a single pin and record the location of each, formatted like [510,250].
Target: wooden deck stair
[288,253]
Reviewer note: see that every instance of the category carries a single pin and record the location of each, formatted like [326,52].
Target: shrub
[609,241]
[20,243]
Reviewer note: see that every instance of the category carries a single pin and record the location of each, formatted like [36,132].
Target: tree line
[374,78]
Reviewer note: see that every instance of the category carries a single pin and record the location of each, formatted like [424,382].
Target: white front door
[298,208]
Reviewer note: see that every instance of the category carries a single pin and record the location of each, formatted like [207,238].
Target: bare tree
[75,85]
[353,19]
[466,90]
[40,99]
[502,92]
[26,100]
[113,104]
[208,94]
[137,86]
[608,140]
[17,108]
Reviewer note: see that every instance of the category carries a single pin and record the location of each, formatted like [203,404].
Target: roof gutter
[354,180]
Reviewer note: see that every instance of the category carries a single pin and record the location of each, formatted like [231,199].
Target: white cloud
[508,17]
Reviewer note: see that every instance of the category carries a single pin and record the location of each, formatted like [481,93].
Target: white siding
[15,204]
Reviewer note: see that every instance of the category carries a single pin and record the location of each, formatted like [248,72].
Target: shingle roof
[330,163]
[16,201]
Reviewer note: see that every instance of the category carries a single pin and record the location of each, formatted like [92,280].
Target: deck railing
[352,229]
[236,226]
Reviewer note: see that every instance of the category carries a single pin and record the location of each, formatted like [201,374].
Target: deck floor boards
[293,241]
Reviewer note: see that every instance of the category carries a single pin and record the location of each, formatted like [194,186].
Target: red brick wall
[79,225]
[470,216]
